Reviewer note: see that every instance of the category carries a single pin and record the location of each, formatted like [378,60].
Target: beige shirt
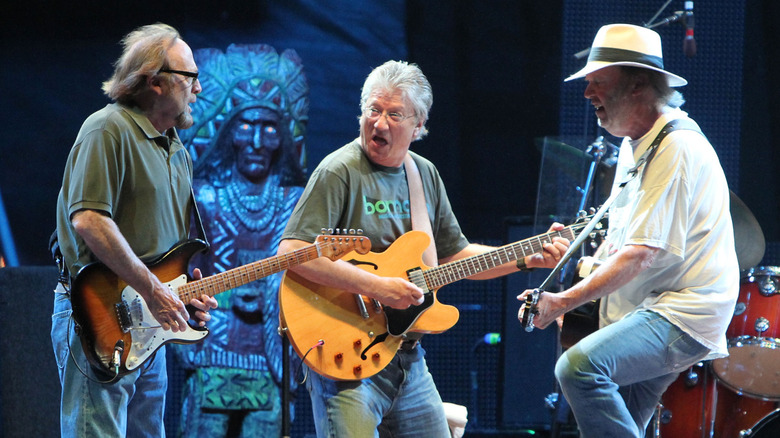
[679,204]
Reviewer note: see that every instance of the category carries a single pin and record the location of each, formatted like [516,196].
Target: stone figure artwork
[248,146]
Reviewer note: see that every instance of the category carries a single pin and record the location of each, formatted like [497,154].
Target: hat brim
[590,67]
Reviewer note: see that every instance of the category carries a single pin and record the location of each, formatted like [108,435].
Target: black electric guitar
[583,320]
[118,332]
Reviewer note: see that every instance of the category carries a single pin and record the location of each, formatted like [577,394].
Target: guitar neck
[242,275]
[445,274]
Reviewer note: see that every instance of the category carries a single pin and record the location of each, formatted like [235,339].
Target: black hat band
[609,54]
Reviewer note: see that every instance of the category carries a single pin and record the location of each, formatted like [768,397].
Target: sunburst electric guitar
[347,337]
[118,332]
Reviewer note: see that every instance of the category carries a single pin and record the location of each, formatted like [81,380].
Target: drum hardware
[762,325]
[767,286]
[692,377]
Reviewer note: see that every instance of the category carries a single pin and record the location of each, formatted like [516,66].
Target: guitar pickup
[123,315]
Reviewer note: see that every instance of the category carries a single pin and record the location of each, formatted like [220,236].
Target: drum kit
[737,396]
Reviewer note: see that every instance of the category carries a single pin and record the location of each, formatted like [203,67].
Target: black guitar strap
[198,220]
[644,160]
[673,125]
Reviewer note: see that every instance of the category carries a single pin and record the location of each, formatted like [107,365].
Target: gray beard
[184,121]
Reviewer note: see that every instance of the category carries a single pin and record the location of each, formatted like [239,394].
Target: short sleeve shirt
[679,204]
[348,191]
[122,166]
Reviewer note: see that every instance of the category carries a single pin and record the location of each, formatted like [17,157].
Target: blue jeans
[401,401]
[132,406]
[614,378]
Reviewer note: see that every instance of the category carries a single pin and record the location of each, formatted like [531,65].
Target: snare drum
[753,364]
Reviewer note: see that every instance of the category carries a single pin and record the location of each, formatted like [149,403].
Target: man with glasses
[126,200]
[364,185]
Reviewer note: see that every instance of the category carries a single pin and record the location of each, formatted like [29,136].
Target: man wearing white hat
[670,277]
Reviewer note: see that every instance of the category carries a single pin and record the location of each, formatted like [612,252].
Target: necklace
[253,211]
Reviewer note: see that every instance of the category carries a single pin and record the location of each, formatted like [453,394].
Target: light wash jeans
[130,407]
[401,401]
[614,378]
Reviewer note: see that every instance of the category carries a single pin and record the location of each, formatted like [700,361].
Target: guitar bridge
[123,315]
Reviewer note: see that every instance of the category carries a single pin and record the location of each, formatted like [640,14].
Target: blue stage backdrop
[496,68]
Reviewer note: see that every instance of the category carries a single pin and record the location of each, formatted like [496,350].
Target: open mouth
[379,141]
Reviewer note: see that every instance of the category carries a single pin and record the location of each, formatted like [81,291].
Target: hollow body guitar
[118,332]
[347,337]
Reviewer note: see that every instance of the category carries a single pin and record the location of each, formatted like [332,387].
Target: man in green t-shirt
[364,185]
[125,201]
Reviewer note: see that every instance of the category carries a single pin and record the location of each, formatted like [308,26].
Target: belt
[409,344]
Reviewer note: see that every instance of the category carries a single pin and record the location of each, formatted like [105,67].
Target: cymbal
[748,237]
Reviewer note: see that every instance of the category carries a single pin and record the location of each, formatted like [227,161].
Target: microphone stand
[650,25]
[597,149]
[285,386]
[560,407]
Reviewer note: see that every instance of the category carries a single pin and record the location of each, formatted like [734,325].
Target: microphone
[116,360]
[689,44]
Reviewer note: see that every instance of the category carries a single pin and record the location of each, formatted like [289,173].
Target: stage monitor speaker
[528,358]
[29,384]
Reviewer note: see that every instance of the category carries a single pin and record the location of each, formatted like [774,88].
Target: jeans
[614,378]
[132,406]
[401,401]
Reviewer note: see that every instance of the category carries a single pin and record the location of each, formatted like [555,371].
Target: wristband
[522,266]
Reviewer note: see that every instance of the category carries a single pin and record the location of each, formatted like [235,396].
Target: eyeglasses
[189,74]
[373,114]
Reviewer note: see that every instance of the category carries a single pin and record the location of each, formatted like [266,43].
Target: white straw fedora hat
[626,44]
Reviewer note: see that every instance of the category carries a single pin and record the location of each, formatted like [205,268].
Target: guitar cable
[318,344]
[80,369]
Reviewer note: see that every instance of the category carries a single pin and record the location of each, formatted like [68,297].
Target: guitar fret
[241,275]
[442,275]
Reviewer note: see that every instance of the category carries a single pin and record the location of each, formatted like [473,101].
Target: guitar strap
[420,219]
[668,128]
[643,161]
[198,220]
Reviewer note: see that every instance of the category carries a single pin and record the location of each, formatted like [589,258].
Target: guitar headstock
[334,246]
[599,232]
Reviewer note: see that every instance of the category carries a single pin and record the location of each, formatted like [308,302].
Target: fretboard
[246,274]
[445,274]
